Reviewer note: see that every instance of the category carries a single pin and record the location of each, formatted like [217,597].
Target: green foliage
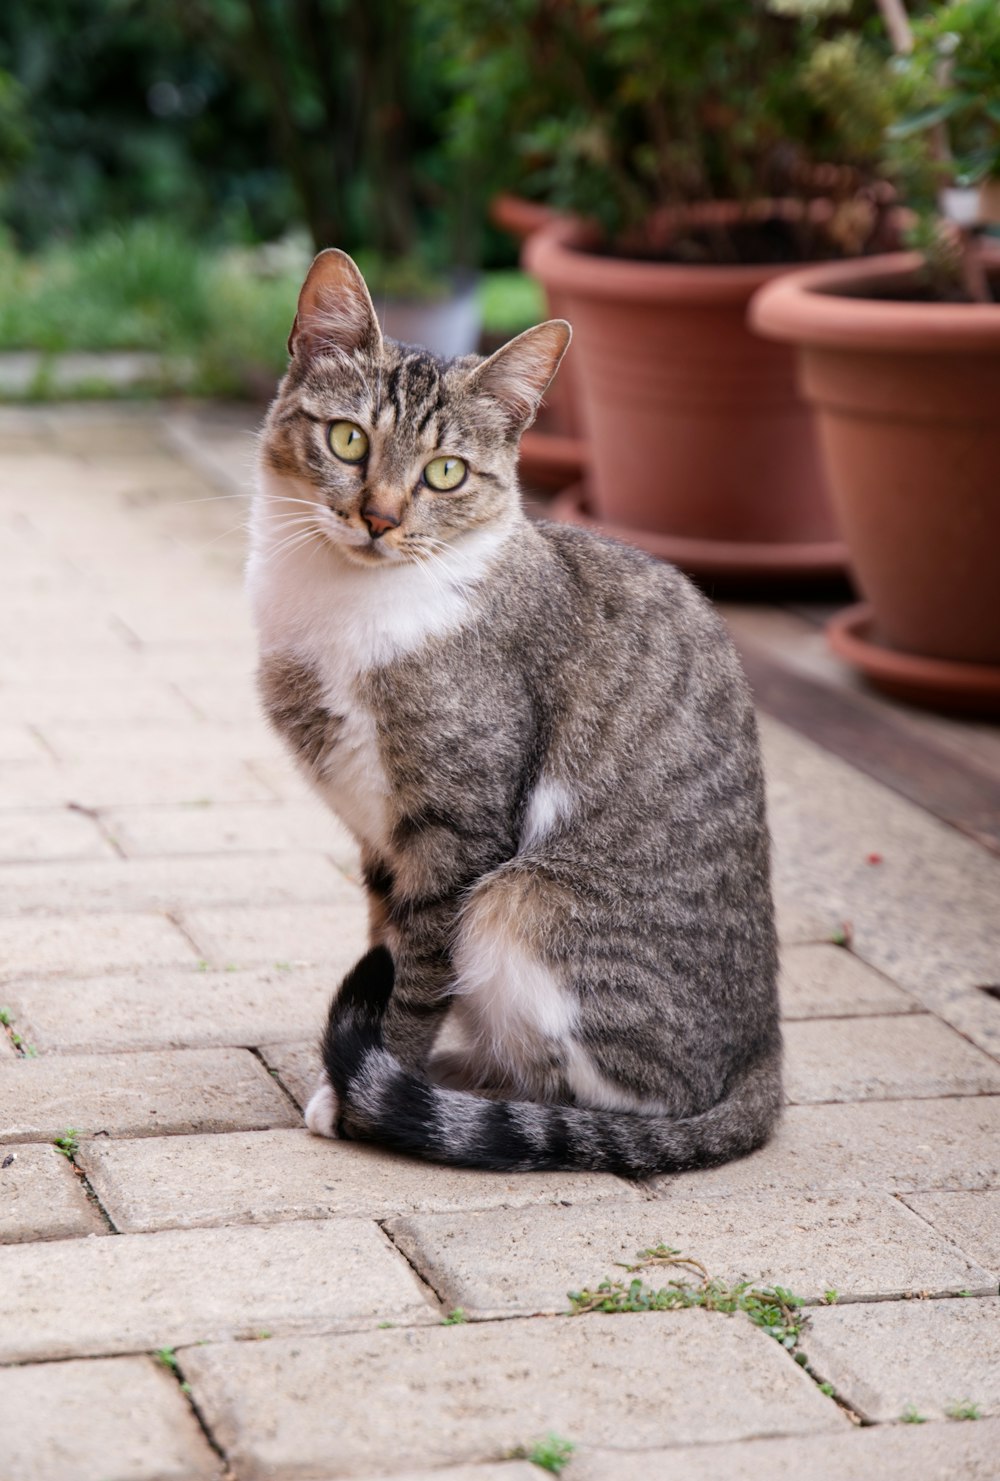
[551,1454]
[456,1318]
[910,1415]
[616,109]
[965,1410]
[774,1309]
[69,1143]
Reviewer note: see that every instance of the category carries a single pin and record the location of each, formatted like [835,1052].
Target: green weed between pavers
[168,1357]
[68,1143]
[911,1416]
[21,1045]
[551,1454]
[965,1410]
[772,1308]
[456,1318]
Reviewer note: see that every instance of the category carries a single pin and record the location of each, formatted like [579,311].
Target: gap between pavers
[124,1418]
[451,1395]
[890,1357]
[140,1292]
[828,982]
[931,1452]
[526,1261]
[41,1197]
[184,1090]
[274,1176]
[970,1220]
[333,934]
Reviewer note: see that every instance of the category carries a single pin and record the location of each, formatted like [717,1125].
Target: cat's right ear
[335,310]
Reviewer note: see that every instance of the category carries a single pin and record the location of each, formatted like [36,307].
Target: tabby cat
[545,748]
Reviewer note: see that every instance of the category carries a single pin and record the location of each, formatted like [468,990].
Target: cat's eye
[348,442]
[444,474]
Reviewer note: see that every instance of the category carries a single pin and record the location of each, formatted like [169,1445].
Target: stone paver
[188,1090]
[851,1059]
[181,780]
[115,689]
[929,1452]
[169,885]
[890,1355]
[828,982]
[296,1065]
[525,1261]
[114,1419]
[972,1220]
[167,1008]
[335,933]
[269,1176]
[475,1392]
[233,827]
[85,943]
[897,1145]
[141,1292]
[926,916]
[41,1197]
[514,1470]
[50,833]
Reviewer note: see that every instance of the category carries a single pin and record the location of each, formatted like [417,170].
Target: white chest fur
[343,621]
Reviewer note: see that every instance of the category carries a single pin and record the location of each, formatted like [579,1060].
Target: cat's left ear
[335,310]
[517,376]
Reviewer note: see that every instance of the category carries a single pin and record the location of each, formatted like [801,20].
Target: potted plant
[691,166]
[900,357]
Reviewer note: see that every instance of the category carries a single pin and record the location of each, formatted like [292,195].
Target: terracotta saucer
[551,459]
[737,559]
[937,683]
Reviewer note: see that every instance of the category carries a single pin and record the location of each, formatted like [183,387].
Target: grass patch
[552,1454]
[965,1410]
[772,1308]
[218,317]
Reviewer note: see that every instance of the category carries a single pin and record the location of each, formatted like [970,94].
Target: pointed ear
[518,374]
[335,308]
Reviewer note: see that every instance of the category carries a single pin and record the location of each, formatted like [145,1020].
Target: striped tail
[381,1101]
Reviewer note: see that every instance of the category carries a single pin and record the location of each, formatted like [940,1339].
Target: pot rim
[805,308]
[561,254]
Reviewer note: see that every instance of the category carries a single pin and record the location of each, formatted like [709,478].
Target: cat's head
[384,451]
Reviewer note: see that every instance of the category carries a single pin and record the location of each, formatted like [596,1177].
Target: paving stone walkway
[191,1287]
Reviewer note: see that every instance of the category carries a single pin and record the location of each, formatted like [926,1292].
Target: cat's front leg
[323,1109]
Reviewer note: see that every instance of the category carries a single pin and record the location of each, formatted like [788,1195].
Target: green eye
[444,473]
[347,442]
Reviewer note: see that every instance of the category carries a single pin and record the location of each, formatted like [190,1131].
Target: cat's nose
[378,523]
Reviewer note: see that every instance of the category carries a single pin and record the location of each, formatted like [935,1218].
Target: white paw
[323,1110]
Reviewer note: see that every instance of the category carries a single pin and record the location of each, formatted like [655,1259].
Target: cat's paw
[323,1110]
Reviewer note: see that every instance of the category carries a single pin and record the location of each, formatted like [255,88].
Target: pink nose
[378,523]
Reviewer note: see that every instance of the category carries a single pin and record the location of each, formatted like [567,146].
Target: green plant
[965,1410]
[925,94]
[456,1318]
[550,1454]
[911,1416]
[619,110]
[68,1143]
[774,1309]
[831,1297]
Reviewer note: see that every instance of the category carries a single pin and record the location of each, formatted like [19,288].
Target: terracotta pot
[554,450]
[907,397]
[695,424]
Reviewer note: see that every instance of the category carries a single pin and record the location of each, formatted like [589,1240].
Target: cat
[545,747]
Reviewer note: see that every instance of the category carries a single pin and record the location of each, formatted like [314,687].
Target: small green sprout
[965,1410]
[826,1388]
[69,1143]
[553,1454]
[167,1356]
[456,1318]
[831,1297]
[911,1416]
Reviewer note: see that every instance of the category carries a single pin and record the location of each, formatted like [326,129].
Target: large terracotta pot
[554,450]
[907,396]
[696,428]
